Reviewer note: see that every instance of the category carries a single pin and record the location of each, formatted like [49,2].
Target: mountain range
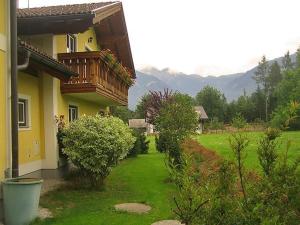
[232,85]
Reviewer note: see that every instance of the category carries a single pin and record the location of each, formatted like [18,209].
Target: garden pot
[21,200]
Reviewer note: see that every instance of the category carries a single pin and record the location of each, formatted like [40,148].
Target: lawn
[220,144]
[142,179]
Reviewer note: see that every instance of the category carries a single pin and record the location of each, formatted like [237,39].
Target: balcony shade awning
[107,18]
[41,61]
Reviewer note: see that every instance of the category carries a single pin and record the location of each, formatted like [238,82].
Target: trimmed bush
[141,145]
[95,144]
[161,143]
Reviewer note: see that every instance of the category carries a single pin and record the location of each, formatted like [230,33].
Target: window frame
[71,47]
[73,108]
[25,124]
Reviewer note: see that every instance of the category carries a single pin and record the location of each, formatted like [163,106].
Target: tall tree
[258,99]
[287,62]
[155,102]
[262,78]
[213,101]
[122,112]
[298,58]
[275,75]
[140,111]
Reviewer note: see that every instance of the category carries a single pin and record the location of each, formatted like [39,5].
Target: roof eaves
[46,59]
[106,11]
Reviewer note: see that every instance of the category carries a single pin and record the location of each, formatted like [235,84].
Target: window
[101,113]
[23,113]
[73,113]
[71,43]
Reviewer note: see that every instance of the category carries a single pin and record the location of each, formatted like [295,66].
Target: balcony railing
[94,76]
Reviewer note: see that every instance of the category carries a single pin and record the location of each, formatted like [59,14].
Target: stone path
[133,208]
[167,222]
[45,213]
[51,184]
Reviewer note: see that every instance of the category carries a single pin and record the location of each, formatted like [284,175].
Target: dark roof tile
[32,49]
[60,10]
[201,112]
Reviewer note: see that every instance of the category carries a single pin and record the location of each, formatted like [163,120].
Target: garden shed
[202,116]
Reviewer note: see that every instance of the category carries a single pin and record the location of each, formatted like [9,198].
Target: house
[73,60]
[202,117]
[4,101]
[141,124]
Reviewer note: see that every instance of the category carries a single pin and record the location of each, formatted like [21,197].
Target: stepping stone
[45,213]
[167,222]
[133,208]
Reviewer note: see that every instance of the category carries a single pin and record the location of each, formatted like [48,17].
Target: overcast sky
[206,37]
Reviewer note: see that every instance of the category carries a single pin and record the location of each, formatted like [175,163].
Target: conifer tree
[298,59]
[287,62]
[275,75]
[262,79]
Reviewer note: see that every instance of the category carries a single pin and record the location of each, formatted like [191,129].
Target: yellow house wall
[42,42]
[3,135]
[82,41]
[31,140]
[84,107]
[3,15]
[3,83]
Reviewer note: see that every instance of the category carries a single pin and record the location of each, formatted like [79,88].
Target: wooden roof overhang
[108,21]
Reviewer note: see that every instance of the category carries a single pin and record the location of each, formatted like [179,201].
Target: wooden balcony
[96,81]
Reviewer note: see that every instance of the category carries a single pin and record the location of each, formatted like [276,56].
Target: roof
[48,61]
[60,10]
[107,18]
[200,111]
[137,123]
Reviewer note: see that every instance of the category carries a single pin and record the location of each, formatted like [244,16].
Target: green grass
[141,179]
[220,144]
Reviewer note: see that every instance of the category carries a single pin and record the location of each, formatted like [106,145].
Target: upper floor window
[73,113]
[23,108]
[71,43]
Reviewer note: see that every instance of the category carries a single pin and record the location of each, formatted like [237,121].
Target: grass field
[141,179]
[220,144]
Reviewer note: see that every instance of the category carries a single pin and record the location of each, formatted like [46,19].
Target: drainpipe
[14,89]
[26,63]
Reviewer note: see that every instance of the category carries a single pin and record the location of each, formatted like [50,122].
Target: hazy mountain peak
[232,85]
[149,70]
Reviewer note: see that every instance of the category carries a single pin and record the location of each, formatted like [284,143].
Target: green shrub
[144,143]
[239,121]
[286,117]
[175,121]
[189,200]
[141,145]
[229,194]
[161,143]
[95,144]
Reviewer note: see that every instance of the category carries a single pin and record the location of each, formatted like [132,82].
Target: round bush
[95,144]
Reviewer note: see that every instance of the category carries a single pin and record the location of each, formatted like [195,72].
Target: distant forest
[277,96]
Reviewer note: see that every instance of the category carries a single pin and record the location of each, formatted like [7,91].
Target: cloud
[206,37]
[212,70]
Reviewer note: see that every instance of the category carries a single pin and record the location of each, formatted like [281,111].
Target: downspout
[26,63]
[14,89]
